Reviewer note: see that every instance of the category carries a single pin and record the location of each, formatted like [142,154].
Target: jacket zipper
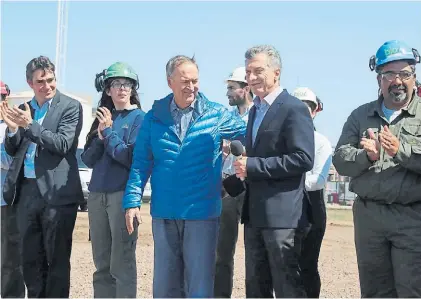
[187,132]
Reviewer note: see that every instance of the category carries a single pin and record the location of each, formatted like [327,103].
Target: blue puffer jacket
[185,175]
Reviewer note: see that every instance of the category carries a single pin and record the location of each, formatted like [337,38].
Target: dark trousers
[272,257]
[227,241]
[46,239]
[388,246]
[311,245]
[12,285]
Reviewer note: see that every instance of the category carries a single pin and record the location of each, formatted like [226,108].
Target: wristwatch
[28,126]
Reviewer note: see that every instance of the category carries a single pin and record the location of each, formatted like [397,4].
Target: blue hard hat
[392,51]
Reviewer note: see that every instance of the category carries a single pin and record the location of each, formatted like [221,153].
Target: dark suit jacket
[277,162]
[56,166]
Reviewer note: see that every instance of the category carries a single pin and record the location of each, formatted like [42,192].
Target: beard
[398,93]
[236,100]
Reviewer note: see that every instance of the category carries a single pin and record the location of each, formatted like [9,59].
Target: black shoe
[83,207]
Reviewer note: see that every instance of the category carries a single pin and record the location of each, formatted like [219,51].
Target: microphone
[237,149]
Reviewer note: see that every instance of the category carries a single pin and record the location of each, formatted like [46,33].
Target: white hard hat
[238,75]
[305,94]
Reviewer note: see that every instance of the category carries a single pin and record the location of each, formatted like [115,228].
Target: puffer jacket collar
[161,108]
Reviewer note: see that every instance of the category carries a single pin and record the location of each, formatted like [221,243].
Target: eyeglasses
[390,76]
[118,85]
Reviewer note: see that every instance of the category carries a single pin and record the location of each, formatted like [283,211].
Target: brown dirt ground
[338,267]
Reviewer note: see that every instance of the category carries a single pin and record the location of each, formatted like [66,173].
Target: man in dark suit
[280,150]
[43,179]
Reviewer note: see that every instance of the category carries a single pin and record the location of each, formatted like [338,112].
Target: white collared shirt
[270,98]
[317,177]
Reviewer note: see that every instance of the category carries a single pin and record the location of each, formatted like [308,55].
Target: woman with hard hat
[108,150]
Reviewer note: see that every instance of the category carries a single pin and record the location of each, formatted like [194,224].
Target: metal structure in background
[61,41]
[337,188]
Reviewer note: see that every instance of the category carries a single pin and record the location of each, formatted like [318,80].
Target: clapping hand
[105,120]
[389,142]
[5,111]
[371,145]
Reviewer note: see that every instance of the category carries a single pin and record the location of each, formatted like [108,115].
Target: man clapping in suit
[43,180]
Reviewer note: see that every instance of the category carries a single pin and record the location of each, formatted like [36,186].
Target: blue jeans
[184,257]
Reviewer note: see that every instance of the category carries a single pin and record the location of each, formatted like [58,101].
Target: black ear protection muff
[416,55]
[7,89]
[137,82]
[372,63]
[99,81]
[319,105]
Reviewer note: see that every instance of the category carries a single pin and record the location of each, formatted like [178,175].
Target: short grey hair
[273,54]
[176,61]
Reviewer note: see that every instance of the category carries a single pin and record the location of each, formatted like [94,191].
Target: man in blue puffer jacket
[179,146]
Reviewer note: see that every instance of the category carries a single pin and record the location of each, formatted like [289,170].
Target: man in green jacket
[380,149]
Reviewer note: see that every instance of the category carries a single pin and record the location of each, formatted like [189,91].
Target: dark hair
[107,102]
[242,85]
[39,63]
[312,105]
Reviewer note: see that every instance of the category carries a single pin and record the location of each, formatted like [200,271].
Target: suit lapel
[25,139]
[49,119]
[249,142]
[270,115]
[32,110]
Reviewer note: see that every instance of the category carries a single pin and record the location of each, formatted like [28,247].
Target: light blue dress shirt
[39,115]
[262,106]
